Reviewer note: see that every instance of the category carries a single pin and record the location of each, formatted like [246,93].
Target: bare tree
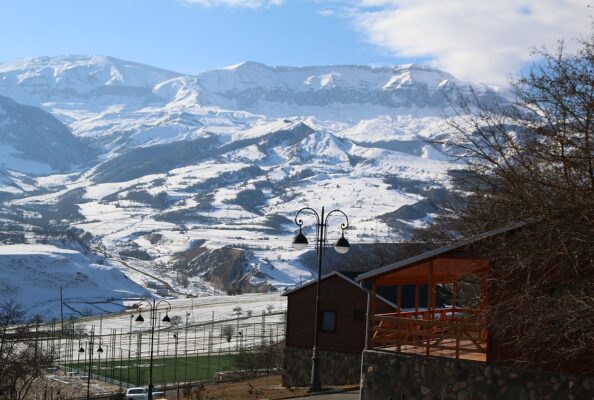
[263,359]
[238,310]
[22,360]
[227,332]
[532,160]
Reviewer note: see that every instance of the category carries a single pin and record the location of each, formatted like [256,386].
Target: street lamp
[90,345]
[152,308]
[99,352]
[342,247]
[80,351]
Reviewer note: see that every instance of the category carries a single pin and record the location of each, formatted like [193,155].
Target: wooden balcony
[445,332]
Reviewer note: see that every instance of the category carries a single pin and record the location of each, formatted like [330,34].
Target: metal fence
[182,352]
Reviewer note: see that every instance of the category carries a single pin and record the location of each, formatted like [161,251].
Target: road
[353,395]
[169,287]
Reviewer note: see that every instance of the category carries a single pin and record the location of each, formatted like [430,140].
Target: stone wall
[397,376]
[335,368]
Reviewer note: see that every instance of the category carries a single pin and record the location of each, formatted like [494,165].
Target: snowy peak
[335,92]
[320,148]
[42,79]
[415,74]
[251,74]
[81,72]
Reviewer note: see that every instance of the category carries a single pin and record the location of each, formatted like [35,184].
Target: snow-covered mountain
[96,80]
[333,92]
[196,179]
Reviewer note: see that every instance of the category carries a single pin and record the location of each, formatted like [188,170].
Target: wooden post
[454,290]
[430,309]
[372,313]
[483,292]
[430,305]
[417,297]
[399,304]
[373,295]
[483,305]
[458,333]
[368,316]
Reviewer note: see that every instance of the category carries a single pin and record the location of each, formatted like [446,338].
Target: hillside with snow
[195,180]
[32,275]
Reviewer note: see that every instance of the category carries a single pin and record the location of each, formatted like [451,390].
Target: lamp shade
[342,245]
[139,320]
[166,319]
[100,349]
[300,241]
[81,350]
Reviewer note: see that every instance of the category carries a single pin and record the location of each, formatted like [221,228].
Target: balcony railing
[446,332]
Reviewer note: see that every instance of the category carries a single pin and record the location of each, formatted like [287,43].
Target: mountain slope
[33,141]
[32,275]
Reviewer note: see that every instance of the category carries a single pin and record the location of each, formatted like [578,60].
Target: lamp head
[100,349]
[81,350]
[139,320]
[300,241]
[166,319]
[342,245]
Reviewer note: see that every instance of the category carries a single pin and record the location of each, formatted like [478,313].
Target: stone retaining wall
[335,368]
[397,376]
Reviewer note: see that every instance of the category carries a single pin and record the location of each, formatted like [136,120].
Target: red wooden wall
[336,294]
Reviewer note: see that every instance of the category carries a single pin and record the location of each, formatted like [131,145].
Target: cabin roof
[429,255]
[343,275]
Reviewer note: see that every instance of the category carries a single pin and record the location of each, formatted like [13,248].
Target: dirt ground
[58,385]
[268,387]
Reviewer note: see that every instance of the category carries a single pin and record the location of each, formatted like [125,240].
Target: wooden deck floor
[470,354]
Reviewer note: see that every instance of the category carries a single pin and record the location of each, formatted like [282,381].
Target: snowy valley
[120,169]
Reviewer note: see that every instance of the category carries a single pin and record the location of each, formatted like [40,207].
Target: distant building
[152,285]
[163,291]
[343,305]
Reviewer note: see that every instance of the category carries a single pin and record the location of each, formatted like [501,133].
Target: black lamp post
[152,308]
[99,352]
[342,246]
[90,345]
[80,351]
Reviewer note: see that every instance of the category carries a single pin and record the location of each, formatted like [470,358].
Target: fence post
[263,328]
[208,357]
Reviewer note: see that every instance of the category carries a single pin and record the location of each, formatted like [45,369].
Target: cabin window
[359,315]
[328,321]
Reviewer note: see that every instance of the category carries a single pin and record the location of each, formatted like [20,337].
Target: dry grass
[267,387]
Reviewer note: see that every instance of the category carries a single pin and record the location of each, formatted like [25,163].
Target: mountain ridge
[225,158]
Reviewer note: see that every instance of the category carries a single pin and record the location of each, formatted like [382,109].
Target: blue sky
[482,41]
[184,37]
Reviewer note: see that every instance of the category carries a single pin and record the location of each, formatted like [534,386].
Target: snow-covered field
[199,328]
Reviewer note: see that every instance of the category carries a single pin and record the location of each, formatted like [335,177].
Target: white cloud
[235,3]
[479,40]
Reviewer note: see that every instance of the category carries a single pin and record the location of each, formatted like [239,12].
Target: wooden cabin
[445,334]
[431,327]
[342,327]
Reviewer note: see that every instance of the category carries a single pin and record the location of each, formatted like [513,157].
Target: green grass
[165,370]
